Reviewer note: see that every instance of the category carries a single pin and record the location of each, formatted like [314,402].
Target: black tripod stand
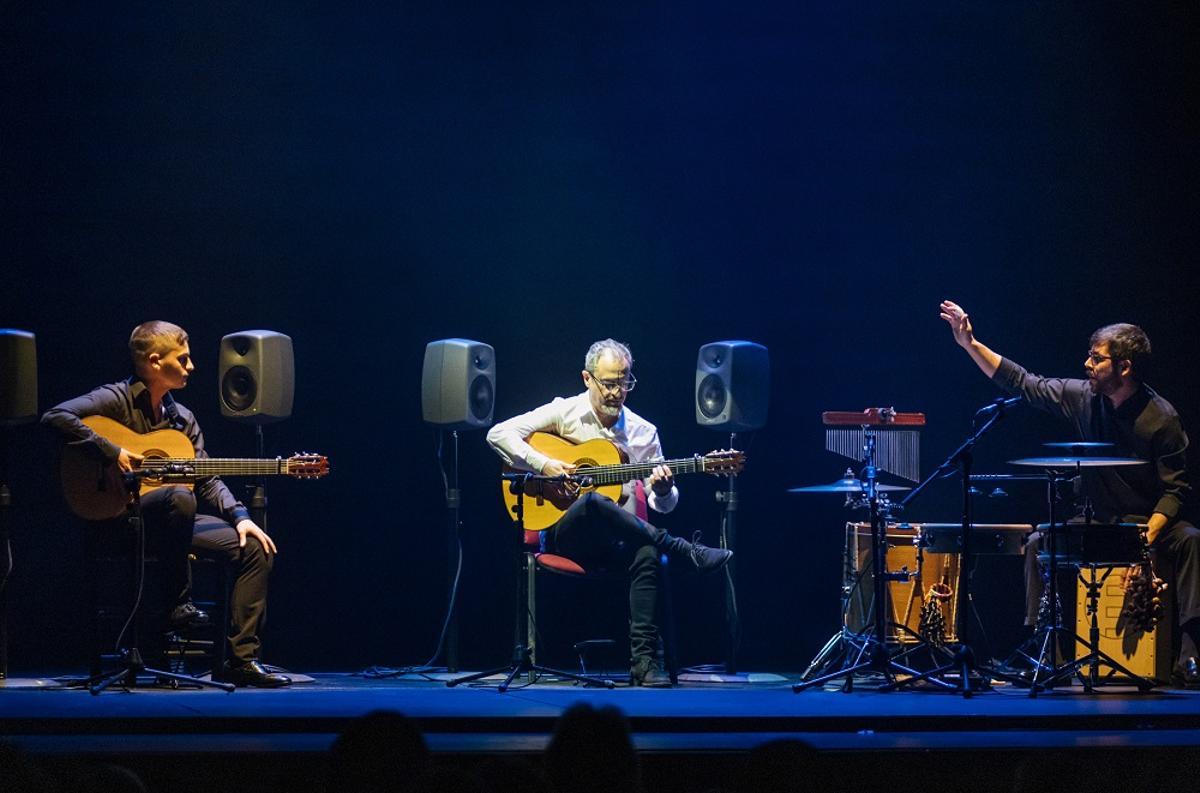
[132,663]
[522,657]
[874,655]
[1050,633]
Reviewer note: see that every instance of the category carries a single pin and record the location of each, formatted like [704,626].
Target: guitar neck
[204,467]
[627,472]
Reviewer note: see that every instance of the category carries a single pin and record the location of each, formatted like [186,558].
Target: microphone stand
[963,661]
[522,656]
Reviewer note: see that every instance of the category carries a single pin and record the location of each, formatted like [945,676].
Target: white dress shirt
[574,420]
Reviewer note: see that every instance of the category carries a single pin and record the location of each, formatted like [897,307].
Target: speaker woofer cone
[238,388]
[481,398]
[713,396]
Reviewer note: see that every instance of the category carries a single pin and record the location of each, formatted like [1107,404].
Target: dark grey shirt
[1145,426]
[128,402]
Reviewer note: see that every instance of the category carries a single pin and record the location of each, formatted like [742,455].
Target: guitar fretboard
[627,472]
[215,466]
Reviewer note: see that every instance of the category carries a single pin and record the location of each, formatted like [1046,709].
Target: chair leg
[531,607]
[668,631]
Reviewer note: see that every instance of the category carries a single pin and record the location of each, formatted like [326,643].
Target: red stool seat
[558,564]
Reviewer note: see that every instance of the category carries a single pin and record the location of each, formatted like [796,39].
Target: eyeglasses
[625,385]
[1096,357]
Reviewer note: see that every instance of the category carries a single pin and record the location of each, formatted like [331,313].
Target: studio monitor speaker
[733,384]
[458,383]
[257,376]
[18,377]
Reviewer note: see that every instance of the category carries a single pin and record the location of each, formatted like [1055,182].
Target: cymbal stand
[874,655]
[1055,628]
[963,663]
[522,657]
[132,663]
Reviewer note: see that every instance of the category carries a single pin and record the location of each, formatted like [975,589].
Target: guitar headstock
[724,462]
[307,466]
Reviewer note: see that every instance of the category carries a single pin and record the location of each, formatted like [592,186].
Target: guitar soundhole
[586,462]
[149,456]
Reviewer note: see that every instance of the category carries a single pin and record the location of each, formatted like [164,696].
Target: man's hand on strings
[662,480]
[558,468]
[129,461]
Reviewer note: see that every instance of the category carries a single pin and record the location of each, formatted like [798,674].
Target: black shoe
[705,559]
[1186,674]
[186,615]
[647,672]
[253,673]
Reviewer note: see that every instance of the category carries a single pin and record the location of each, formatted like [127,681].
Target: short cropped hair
[1125,343]
[152,337]
[611,347]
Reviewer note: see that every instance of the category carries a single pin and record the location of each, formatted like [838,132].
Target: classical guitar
[603,468]
[95,489]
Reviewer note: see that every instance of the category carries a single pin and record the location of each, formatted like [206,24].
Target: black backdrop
[368,179]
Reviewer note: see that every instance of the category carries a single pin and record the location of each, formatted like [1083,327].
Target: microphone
[999,404]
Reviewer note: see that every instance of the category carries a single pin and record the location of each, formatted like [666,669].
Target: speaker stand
[726,672]
[6,560]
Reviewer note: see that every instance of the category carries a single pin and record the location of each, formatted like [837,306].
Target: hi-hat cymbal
[1078,445]
[847,484]
[1076,462]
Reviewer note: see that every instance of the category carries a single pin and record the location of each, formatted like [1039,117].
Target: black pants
[1177,552]
[173,529]
[596,532]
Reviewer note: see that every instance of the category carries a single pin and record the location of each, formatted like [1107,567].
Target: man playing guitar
[162,363]
[596,529]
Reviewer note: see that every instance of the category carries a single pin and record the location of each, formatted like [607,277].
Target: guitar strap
[171,411]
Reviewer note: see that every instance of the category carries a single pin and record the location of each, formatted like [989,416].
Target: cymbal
[1076,462]
[1079,445]
[847,484]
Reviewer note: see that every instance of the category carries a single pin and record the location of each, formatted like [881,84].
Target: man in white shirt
[595,529]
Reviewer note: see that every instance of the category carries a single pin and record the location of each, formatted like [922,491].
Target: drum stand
[872,655]
[846,646]
[522,657]
[1049,633]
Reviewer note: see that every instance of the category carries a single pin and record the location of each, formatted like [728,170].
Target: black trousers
[173,529]
[1177,554]
[596,532]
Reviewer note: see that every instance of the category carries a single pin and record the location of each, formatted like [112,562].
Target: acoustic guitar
[95,488]
[603,468]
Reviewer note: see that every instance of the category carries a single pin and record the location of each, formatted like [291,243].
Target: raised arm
[959,321]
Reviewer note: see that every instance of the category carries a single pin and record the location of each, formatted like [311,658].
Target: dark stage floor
[694,717]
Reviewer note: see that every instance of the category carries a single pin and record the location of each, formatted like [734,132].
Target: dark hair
[1125,343]
[152,337]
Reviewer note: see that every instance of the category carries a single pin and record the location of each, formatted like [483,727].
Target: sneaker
[707,560]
